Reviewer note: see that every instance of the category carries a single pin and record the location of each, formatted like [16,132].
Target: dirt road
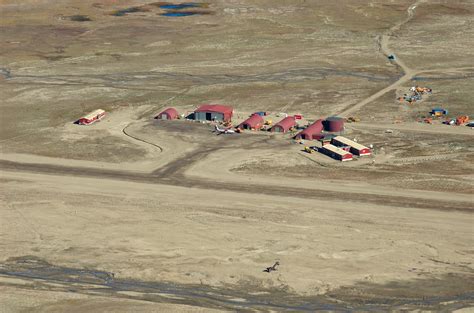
[416,127]
[407,72]
[174,174]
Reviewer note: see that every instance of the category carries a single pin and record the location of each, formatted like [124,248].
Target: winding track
[124,131]
[408,73]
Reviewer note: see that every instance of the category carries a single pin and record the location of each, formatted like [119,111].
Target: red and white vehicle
[91,117]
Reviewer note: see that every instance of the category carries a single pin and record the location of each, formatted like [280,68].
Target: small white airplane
[223,130]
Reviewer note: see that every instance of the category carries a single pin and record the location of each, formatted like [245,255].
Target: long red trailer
[92,117]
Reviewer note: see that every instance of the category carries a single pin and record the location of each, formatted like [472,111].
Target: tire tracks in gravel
[124,131]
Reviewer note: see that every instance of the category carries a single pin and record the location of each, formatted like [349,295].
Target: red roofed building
[92,117]
[253,122]
[168,114]
[213,112]
[336,153]
[355,148]
[313,131]
[284,125]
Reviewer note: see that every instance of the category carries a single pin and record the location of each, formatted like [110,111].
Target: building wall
[362,151]
[336,156]
[86,121]
[248,126]
[201,116]
[334,125]
[333,155]
[346,158]
[278,129]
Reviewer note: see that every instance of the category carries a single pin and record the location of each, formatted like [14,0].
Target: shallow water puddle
[179,13]
[176,10]
[180,6]
[129,10]
[168,9]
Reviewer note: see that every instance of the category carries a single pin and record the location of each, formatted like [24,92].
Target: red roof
[312,130]
[253,122]
[171,112]
[224,109]
[286,123]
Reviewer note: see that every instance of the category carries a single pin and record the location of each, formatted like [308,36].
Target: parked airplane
[223,130]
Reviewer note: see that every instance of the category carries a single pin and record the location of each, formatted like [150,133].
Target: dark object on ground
[272,268]
[129,10]
[80,18]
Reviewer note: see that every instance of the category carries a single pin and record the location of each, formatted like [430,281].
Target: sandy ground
[133,214]
[214,238]
[24,300]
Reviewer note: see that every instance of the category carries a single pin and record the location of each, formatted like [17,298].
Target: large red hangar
[168,114]
[313,131]
[253,122]
[284,125]
[214,112]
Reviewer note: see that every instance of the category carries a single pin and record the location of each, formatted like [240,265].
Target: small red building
[355,148]
[253,122]
[336,153]
[311,132]
[92,117]
[168,114]
[213,112]
[284,125]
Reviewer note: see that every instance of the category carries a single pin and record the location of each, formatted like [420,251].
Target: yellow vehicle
[353,119]
[308,149]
